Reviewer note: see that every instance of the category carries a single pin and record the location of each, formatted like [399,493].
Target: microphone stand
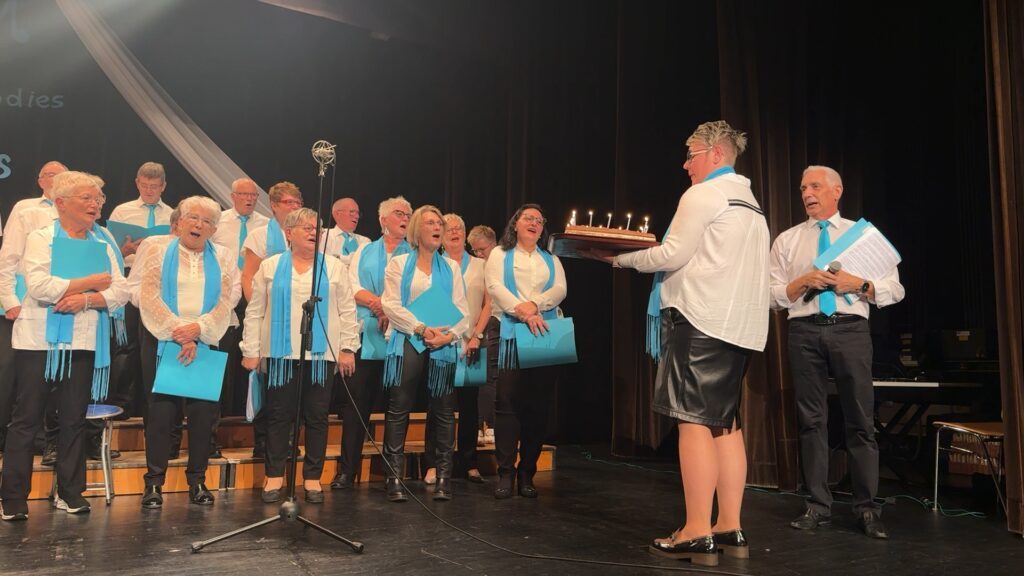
[290,509]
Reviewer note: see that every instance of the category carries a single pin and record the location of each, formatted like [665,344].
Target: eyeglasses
[292,202]
[151,187]
[690,154]
[479,251]
[246,194]
[98,200]
[432,222]
[307,228]
[456,228]
[401,214]
[533,219]
[349,212]
[197,219]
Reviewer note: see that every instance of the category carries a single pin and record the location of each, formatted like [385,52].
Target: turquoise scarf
[60,331]
[275,239]
[117,316]
[281,323]
[169,283]
[507,355]
[440,380]
[372,261]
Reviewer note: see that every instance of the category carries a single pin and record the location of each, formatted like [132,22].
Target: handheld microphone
[833,267]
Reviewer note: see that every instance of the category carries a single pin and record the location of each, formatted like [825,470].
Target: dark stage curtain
[1005,31]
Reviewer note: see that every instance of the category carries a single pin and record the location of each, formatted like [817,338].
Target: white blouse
[531,274]
[342,328]
[44,289]
[476,288]
[400,317]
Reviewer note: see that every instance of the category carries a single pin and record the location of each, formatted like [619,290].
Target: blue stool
[106,413]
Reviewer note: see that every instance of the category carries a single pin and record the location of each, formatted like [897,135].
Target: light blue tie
[47,201]
[826,300]
[243,231]
[151,220]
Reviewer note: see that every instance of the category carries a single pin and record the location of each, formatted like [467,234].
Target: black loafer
[49,455]
[199,495]
[505,486]
[315,496]
[810,520]
[526,489]
[698,551]
[475,478]
[215,453]
[342,481]
[153,498]
[732,544]
[872,525]
[443,489]
[395,491]
[271,496]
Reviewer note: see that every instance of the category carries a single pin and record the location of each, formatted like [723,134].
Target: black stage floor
[590,508]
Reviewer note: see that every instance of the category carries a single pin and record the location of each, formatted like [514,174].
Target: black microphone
[834,267]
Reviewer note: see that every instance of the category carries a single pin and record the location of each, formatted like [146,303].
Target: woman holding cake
[526,284]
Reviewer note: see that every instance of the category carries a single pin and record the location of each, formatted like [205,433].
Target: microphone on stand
[323,153]
[834,267]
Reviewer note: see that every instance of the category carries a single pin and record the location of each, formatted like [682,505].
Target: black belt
[823,320]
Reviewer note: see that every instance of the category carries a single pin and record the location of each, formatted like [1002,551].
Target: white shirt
[342,328]
[531,274]
[159,319]
[336,240]
[230,226]
[135,212]
[26,204]
[400,317]
[792,256]
[476,288]
[44,289]
[23,222]
[715,259]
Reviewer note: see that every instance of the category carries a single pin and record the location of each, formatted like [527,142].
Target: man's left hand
[847,283]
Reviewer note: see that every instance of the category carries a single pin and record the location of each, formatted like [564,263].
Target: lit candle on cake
[609,220]
[572,220]
[646,226]
[591,221]
[629,218]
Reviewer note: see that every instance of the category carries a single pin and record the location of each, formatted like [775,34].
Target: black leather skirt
[700,378]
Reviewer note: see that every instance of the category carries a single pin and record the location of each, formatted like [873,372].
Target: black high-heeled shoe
[733,543]
[505,486]
[698,551]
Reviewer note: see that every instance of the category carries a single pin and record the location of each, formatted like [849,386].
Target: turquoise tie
[826,300]
[243,231]
[348,244]
[151,221]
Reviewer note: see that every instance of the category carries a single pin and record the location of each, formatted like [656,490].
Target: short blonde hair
[719,133]
[278,191]
[152,170]
[481,231]
[67,182]
[413,233]
[204,203]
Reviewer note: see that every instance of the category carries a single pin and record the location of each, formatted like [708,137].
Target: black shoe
[315,496]
[505,486]
[698,551]
[199,495]
[443,489]
[153,498]
[526,488]
[395,491]
[215,453]
[115,454]
[476,478]
[810,520]
[49,455]
[174,454]
[72,505]
[14,512]
[96,453]
[872,525]
[259,451]
[271,496]
[732,544]
[342,481]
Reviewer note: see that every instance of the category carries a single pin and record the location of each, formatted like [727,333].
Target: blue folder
[202,379]
[433,308]
[373,347]
[78,258]
[474,374]
[558,346]
[19,289]
[254,400]
[119,230]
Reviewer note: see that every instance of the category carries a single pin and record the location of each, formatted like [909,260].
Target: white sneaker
[77,506]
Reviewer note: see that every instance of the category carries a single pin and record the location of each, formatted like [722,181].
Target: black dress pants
[125,363]
[845,349]
[30,403]
[281,409]
[6,375]
[521,418]
[466,398]
[440,416]
[365,386]
[163,417]
[147,346]
[488,392]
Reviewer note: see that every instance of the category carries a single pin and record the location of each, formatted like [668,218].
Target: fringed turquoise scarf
[507,355]
[169,283]
[275,239]
[117,316]
[372,261]
[280,365]
[440,379]
[60,331]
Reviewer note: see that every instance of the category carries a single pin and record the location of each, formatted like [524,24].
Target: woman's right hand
[100,282]
[250,363]
[537,325]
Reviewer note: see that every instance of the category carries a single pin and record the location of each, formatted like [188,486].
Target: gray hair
[451,216]
[831,176]
[391,204]
[152,170]
[240,181]
[719,133]
[295,217]
[482,231]
[67,182]
[175,216]
[203,203]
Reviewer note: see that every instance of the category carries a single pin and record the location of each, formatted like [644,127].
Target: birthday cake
[577,241]
[610,233]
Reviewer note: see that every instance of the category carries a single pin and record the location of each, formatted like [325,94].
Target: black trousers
[6,375]
[488,392]
[163,417]
[281,408]
[365,386]
[30,403]
[125,364]
[521,418]
[440,416]
[236,380]
[147,347]
[466,399]
[845,350]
